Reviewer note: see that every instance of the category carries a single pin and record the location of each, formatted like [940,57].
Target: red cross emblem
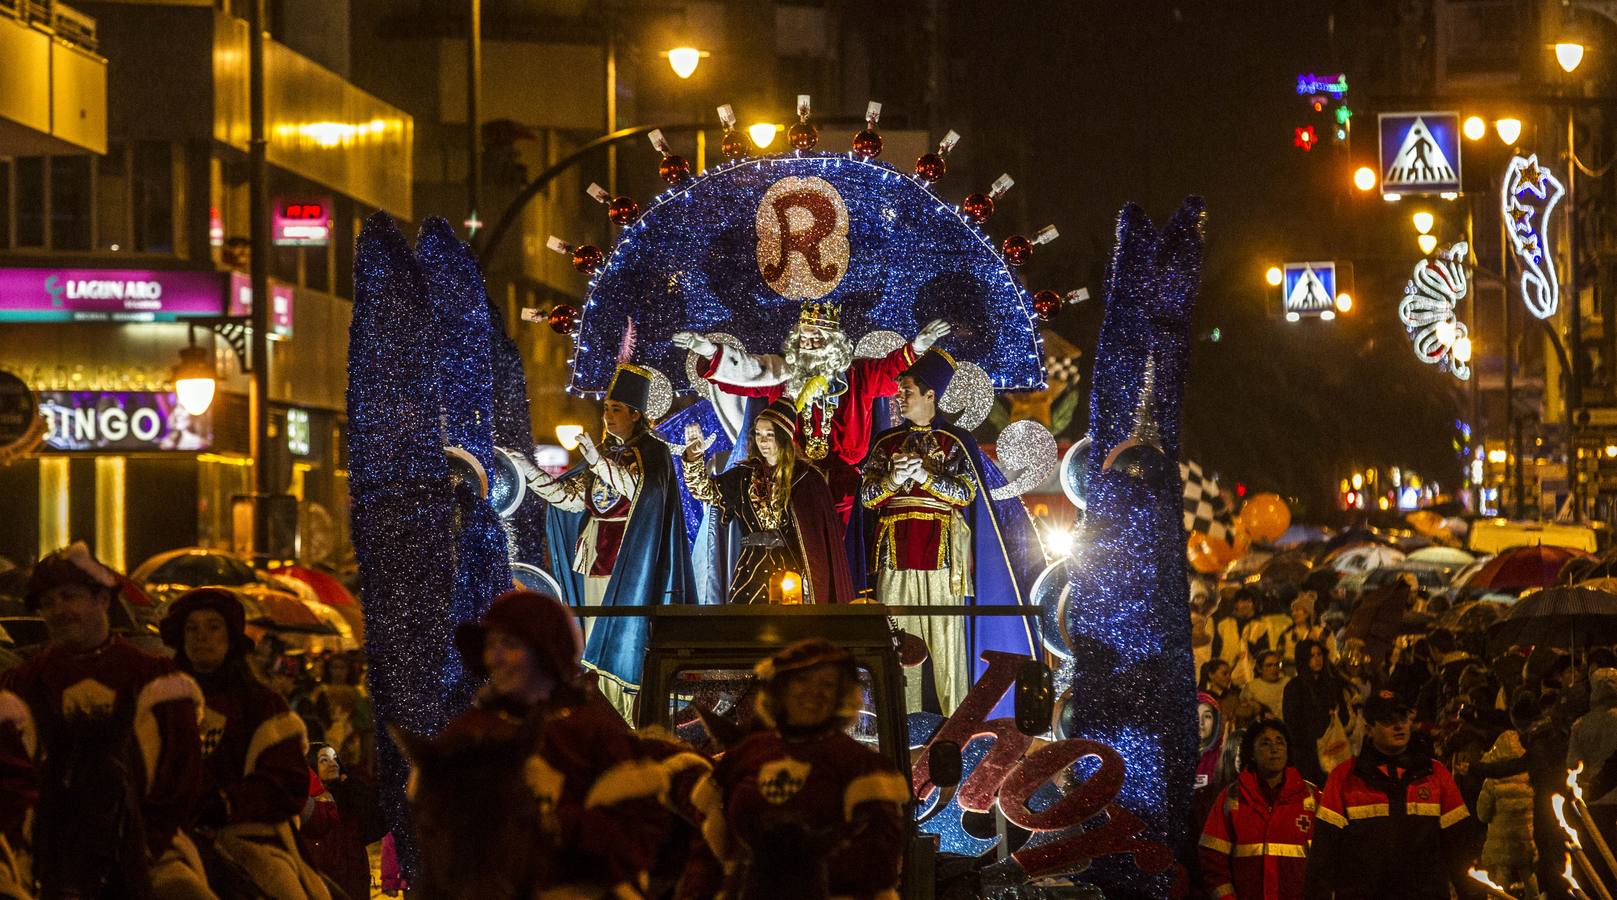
[1304,823]
[1425,793]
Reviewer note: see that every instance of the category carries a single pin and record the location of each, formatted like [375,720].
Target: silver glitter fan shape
[694,364]
[661,396]
[970,396]
[1027,454]
[878,344]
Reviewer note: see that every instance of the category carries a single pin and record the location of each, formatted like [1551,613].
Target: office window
[5,204]
[153,197]
[70,202]
[30,201]
[112,199]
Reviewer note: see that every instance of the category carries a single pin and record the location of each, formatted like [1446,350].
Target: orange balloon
[1266,517]
[1208,554]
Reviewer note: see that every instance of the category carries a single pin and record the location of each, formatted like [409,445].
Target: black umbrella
[195,567]
[1475,615]
[1558,617]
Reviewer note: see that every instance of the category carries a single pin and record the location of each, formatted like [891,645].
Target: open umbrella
[1365,558]
[326,587]
[1442,556]
[1520,568]
[281,611]
[194,567]
[1558,617]
[1473,616]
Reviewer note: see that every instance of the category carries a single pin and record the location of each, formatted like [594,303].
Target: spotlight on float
[1474,128]
[1364,178]
[1427,242]
[568,435]
[1509,130]
[1462,350]
[195,379]
[1274,276]
[1569,55]
[1423,221]
[762,134]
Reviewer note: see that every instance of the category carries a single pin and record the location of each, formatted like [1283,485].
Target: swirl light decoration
[1526,199]
[1428,310]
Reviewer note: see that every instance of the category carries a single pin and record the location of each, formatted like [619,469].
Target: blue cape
[653,565]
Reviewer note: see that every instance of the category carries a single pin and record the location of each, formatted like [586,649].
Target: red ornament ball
[587,258]
[867,143]
[803,136]
[930,167]
[733,145]
[977,207]
[1046,304]
[674,169]
[1018,250]
[622,210]
[564,318]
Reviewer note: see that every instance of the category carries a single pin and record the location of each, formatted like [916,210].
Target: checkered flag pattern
[1062,368]
[1205,510]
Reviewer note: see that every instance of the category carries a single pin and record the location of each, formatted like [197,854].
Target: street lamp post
[1569,55]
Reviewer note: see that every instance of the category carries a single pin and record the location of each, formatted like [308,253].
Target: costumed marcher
[809,812]
[833,392]
[627,532]
[1391,822]
[1254,845]
[788,520]
[95,737]
[939,538]
[340,822]
[254,776]
[598,792]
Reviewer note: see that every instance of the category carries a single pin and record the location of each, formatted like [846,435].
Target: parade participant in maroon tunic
[254,776]
[808,810]
[92,713]
[832,391]
[917,480]
[597,792]
[788,521]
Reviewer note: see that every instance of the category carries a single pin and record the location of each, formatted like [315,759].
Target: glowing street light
[1509,130]
[684,60]
[1569,55]
[1423,222]
[195,379]
[762,134]
[1474,128]
[568,435]
[1344,302]
[1427,242]
[1274,276]
[1364,178]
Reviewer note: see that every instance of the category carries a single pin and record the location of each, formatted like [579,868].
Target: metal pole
[611,107]
[258,234]
[1512,450]
[1478,437]
[1574,331]
[474,105]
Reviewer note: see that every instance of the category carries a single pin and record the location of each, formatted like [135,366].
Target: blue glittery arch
[690,263]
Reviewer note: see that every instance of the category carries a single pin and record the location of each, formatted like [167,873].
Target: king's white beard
[831,360]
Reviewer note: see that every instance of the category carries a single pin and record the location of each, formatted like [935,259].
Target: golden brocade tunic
[916,522]
[770,541]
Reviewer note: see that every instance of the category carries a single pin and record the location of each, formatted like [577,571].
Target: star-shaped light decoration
[1530,190]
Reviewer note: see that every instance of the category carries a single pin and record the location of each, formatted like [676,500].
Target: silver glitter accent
[1050,593]
[793,271]
[509,487]
[661,396]
[878,344]
[695,363]
[1027,454]
[1075,473]
[970,396]
[464,466]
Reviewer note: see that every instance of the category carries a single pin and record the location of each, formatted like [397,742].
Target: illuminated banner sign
[241,303]
[301,222]
[108,295]
[1308,289]
[1420,153]
[1312,85]
[122,421]
[1526,200]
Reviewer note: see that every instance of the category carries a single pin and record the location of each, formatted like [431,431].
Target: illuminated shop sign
[301,222]
[122,421]
[108,295]
[241,304]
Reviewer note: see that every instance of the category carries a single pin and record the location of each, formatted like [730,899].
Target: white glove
[690,340]
[586,447]
[932,332]
[693,441]
[531,473]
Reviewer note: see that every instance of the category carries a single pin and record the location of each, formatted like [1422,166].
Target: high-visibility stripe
[1367,811]
[1425,809]
[1330,817]
[1213,843]
[1296,851]
[1453,816]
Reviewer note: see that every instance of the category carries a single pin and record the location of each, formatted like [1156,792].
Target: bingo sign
[1420,153]
[122,421]
[301,222]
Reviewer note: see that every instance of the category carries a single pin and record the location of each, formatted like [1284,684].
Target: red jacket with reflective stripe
[1255,847]
[1390,828]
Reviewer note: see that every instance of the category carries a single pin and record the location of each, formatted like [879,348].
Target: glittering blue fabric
[690,263]
[1129,614]
[402,501]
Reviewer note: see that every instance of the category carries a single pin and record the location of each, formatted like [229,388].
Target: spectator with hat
[1391,822]
[254,776]
[93,713]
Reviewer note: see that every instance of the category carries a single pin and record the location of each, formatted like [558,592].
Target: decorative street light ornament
[1431,298]
[1526,200]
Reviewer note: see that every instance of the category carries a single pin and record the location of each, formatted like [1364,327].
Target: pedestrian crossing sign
[1308,289]
[1420,153]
